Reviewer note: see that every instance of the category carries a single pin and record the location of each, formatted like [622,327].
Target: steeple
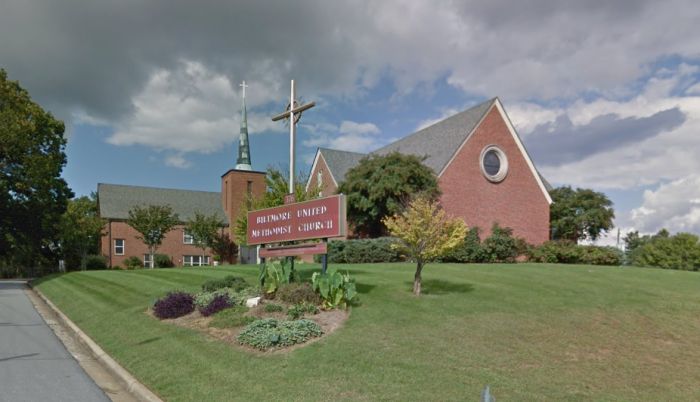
[243,162]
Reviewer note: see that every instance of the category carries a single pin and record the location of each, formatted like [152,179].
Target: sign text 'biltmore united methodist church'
[316,219]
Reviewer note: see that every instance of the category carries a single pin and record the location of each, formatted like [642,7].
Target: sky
[604,94]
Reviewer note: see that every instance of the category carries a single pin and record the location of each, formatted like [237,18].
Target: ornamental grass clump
[174,305]
[220,302]
[268,333]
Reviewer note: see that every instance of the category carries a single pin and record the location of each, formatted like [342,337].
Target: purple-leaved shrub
[220,302]
[174,305]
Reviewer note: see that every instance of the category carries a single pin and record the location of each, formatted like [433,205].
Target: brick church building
[483,170]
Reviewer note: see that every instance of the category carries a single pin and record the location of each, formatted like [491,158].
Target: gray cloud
[96,57]
[561,142]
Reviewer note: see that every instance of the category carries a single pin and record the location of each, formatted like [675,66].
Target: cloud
[673,206]
[561,142]
[348,136]
[350,127]
[72,56]
[177,161]
[429,122]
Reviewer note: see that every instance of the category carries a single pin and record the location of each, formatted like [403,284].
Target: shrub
[501,246]
[470,251]
[361,251]
[117,267]
[335,289]
[300,309]
[203,299]
[235,283]
[174,305]
[162,261]
[94,262]
[272,307]
[231,318]
[568,252]
[220,302]
[133,262]
[264,334]
[298,293]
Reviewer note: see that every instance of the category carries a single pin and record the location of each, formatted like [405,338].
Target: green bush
[162,261]
[300,309]
[94,262]
[361,251]
[568,252]
[133,262]
[335,289]
[203,299]
[470,251]
[501,246]
[680,251]
[235,283]
[272,307]
[231,318]
[294,293]
[267,333]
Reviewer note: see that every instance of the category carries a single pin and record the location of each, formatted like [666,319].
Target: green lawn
[532,332]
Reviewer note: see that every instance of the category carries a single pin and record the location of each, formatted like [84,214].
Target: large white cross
[244,87]
[293,115]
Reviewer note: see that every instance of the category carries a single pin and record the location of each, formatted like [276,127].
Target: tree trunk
[151,264]
[416,280]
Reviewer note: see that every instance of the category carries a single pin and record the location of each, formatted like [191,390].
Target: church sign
[316,219]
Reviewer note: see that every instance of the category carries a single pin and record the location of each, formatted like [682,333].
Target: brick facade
[517,202]
[329,186]
[235,186]
[173,245]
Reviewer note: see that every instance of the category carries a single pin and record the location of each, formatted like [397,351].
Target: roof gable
[440,141]
[115,201]
[339,162]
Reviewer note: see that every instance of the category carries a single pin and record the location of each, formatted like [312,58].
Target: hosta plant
[336,289]
[274,273]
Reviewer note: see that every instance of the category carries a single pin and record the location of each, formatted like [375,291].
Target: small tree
[425,232]
[81,228]
[152,222]
[580,214]
[379,186]
[203,230]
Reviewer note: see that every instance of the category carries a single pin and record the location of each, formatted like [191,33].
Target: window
[195,260]
[186,238]
[494,163]
[250,187]
[119,246]
[146,260]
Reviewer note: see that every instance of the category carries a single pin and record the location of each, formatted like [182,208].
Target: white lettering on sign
[306,212]
[272,231]
[308,227]
[283,216]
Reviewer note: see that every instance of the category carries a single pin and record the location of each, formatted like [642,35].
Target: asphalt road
[34,364]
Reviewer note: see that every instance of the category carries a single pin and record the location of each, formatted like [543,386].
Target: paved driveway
[34,364]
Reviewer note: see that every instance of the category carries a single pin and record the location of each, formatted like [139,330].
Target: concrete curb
[138,390]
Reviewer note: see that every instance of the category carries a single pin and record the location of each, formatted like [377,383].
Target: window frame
[123,246]
[201,261]
[502,158]
[146,260]
[185,235]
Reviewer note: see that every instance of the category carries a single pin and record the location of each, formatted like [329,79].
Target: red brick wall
[173,245]
[326,179]
[517,201]
[234,187]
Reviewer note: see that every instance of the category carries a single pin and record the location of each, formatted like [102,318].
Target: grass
[532,332]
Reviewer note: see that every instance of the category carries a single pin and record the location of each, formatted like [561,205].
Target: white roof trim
[463,143]
[516,137]
[313,168]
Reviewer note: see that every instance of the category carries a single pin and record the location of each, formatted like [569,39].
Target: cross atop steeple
[243,162]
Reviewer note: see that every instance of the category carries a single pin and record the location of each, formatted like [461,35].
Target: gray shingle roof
[339,162]
[115,201]
[440,141]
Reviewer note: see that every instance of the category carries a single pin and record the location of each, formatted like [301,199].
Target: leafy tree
[680,251]
[277,186]
[580,214]
[634,243]
[33,196]
[381,186]
[204,230]
[81,228]
[424,233]
[152,222]
[225,247]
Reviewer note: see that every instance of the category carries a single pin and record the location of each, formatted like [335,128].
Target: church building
[115,201]
[483,169]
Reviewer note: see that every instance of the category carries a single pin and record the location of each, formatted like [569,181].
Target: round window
[494,163]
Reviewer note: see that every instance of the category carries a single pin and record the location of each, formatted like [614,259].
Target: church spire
[243,162]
